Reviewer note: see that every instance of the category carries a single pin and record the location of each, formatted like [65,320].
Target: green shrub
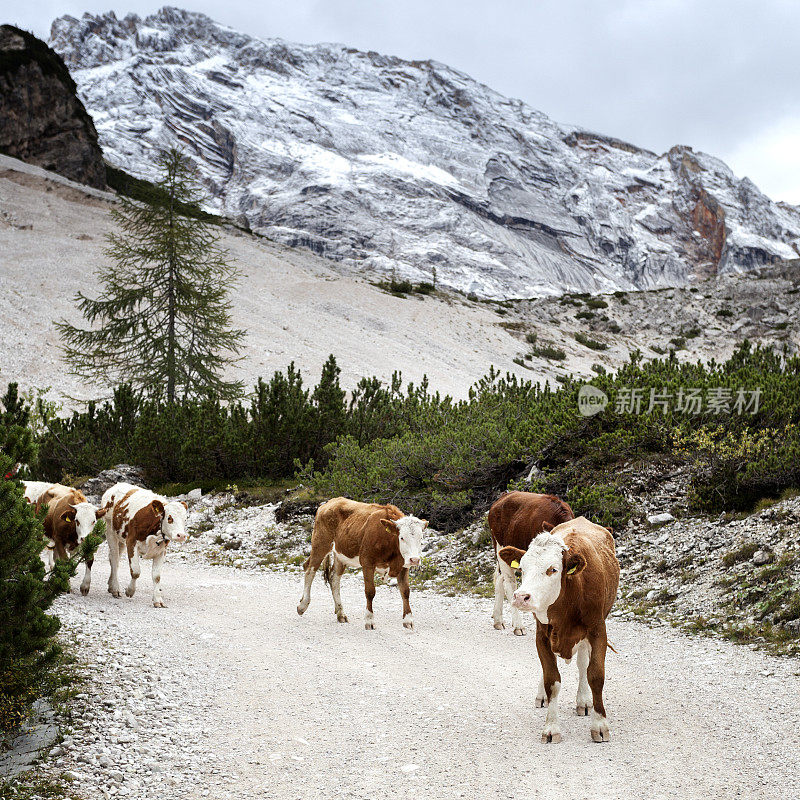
[596,302]
[587,341]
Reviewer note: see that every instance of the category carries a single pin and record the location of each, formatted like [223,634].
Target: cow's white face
[542,567]
[410,539]
[173,525]
[86,515]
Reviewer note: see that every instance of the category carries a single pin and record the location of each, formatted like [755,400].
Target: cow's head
[84,515]
[408,531]
[547,563]
[173,519]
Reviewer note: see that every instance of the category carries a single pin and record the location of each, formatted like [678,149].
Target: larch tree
[162,321]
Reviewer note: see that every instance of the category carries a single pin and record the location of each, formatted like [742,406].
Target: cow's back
[599,580]
[346,522]
[517,517]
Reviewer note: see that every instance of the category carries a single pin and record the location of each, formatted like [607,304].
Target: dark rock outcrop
[42,120]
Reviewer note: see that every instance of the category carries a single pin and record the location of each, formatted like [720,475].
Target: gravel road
[228,693]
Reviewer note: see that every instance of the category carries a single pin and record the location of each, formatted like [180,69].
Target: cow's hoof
[116,594]
[158,604]
[84,590]
[130,592]
[409,625]
[498,626]
[541,702]
[519,631]
[369,626]
[551,736]
[582,710]
[340,617]
[600,730]
[301,610]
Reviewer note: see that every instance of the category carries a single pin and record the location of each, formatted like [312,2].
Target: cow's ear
[159,507]
[68,516]
[185,504]
[390,527]
[610,530]
[512,556]
[547,526]
[424,524]
[100,512]
[573,563]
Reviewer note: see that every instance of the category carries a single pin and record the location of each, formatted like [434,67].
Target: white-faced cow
[569,581]
[514,520]
[69,520]
[367,535]
[144,524]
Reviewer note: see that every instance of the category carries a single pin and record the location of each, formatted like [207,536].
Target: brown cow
[70,519]
[514,520]
[569,581]
[367,535]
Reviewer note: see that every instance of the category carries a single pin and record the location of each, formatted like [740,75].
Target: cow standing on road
[569,581]
[366,535]
[514,520]
[144,524]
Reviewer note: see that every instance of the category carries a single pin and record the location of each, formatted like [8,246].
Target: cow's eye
[169,519]
[551,571]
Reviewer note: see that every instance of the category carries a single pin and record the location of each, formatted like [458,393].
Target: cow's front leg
[596,674]
[541,695]
[369,591]
[552,685]
[113,560]
[499,596]
[135,564]
[404,585]
[158,562]
[337,570]
[583,701]
[87,577]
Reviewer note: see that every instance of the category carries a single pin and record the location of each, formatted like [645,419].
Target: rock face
[388,165]
[42,121]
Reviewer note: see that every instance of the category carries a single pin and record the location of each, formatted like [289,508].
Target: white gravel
[228,693]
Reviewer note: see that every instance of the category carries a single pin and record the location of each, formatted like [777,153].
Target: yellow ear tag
[570,571]
[67,519]
[515,564]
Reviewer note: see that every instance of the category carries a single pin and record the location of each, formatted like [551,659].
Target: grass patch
[742,553]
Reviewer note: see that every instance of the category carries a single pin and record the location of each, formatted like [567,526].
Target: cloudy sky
[718,75]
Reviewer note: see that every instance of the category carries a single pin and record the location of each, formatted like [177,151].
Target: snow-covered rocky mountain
[391,165]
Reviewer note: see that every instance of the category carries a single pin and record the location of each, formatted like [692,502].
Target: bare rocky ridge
[386,165]
[298,307]
[42,121]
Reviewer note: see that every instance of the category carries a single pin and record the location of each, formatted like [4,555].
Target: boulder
[660,519]
[121,473]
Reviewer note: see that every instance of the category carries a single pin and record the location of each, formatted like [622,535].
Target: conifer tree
[162,321]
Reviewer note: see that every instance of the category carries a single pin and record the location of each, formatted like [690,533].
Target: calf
[514,520]
[367,535]
[569,581]
[70,519]
[144,523]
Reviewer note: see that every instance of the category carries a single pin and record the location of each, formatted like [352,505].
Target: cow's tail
[326,566]
[611,647]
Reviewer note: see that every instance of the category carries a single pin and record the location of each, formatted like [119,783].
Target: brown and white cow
[366,535]
[514,520]
[35,489]
[69,520]
[569,581]
[144,523]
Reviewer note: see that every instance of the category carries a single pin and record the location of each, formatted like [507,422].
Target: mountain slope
[385,164]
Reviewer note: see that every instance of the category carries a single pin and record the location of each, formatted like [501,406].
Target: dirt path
[252,701]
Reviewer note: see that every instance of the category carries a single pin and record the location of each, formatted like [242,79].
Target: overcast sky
[718,75]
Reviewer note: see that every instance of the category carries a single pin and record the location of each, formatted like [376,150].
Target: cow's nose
[414,562]
[522,597]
